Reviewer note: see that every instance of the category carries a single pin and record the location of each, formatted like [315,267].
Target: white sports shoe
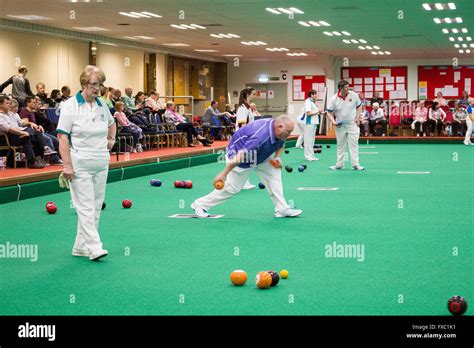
[467,143]
[335,168]
[248,186]
[288,213]
[80,252]
[200,212]
[98,254]
[358,167]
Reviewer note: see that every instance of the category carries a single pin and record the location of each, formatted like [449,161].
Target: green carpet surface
[416,232]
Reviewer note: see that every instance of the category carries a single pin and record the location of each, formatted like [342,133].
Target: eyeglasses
[95,85]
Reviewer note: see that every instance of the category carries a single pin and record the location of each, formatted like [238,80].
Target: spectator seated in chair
[436,118]
[464,101]
[376,99]
[207,119]
[364,117]
[128,99]
[128,127]
[459,126]
[420,119]
[181,124]
[153,103]
[232,113]
[43,96]
[19,133]
[32,118]
[377,116]
[440,99]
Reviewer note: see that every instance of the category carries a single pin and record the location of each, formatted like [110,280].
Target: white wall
[111,60]
[55,62]
[412,69]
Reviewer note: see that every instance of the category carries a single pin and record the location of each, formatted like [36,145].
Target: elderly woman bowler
[86,134]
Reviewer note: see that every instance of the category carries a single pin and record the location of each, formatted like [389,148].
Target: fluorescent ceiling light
[315,24]
[152,14]
[387,52]
[368,47]
[203,50]
[456,45]
[354,41]
[128,15]
[327,33]
[464,30]
[464,45]
[427,7]
[452,39]
[90,28]
[447,20]
[346,41]
[446,31]
[232,55]
[233,35]
[177,26]
[437,20]
[304,24]
[439,6]
[454,30]
[458,19]
[326,24]
[188,27]
[461,51]
[361,47]
[346,33]
[451,5]
[362,41]
[468,51]
[30,17]
[296,10]
[468,38]
[145,37]
[374,53]
[272,10]
[284,10]
[140,14]
[336,33]
[198,26]
[381,53]
[175,44]
[376,47]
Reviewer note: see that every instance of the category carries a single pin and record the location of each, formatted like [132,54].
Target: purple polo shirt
[258,141]
[30,115]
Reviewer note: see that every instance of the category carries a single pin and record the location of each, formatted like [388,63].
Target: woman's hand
[68,172]
[110,143]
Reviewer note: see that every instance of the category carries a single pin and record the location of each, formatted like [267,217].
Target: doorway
[272,97]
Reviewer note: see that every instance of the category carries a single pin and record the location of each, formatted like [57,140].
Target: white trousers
[347,134]
[301,127]
[88,193]
[269,176]
[467,138]
[309,134]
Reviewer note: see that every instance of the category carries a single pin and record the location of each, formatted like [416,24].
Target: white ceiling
[415,36]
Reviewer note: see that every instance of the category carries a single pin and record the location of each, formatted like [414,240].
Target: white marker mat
[413,173]
[191,216]
[318,188]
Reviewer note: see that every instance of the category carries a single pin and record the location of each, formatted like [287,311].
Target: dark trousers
[435,123]
[459,127]
[32,145]
[188,128]
[419,125]
[373,123]
[135,134]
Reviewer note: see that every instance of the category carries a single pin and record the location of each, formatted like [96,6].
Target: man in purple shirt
[250,149]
